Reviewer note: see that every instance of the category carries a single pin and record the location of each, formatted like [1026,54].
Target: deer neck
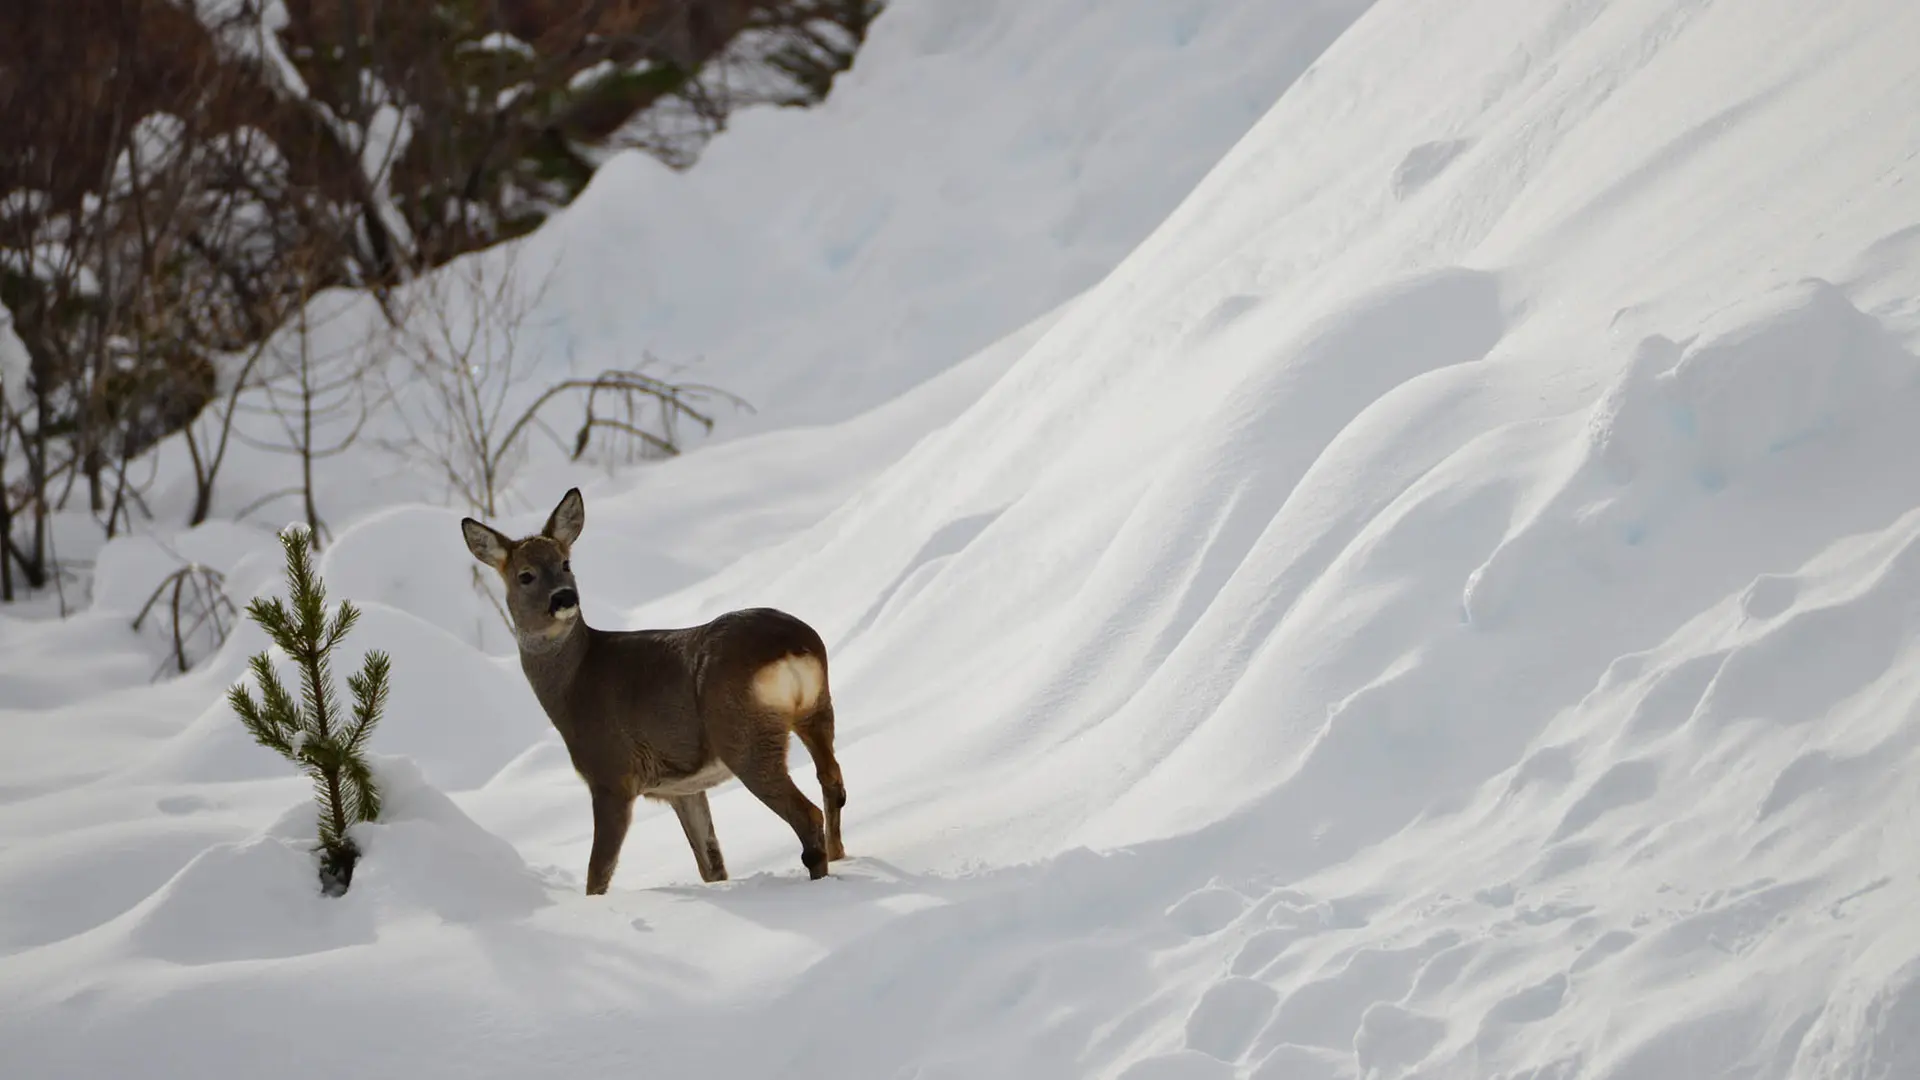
[551,663]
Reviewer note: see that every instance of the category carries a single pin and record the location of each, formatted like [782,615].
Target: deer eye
[526,577]
[566,566]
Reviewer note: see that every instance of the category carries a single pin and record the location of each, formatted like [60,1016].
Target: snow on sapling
[314,733]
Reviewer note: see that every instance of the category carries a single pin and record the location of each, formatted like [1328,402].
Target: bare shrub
[470,406]
[460,347]
[180,174]
[192,605]
[464,385]
[318,389]
[640,415]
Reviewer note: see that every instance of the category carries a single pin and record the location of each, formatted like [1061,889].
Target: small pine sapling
[313,733]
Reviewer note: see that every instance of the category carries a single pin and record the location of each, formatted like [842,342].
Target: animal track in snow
[1207,911]
[1326,1012]
[1179,1065]
[1535,1003]
[1564,858]
[1442,969]
[1261,949]
[1622,785]
[1674,696]
[1526,1006]
[1730,923]
[1425,162]
[1549,766]
[1501,895]
[1225,314]
[1811,772]
[1391,1037]
[1606,945]
[1290,1062]
[1228,1016]
[1838,909]
[1550,912]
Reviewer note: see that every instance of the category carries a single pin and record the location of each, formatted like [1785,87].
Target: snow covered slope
[1443,606]
[981,163]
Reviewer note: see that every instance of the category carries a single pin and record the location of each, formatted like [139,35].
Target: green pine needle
[369,688]
[343,623]
[313,731]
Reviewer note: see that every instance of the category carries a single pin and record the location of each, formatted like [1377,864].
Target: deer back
[640,707]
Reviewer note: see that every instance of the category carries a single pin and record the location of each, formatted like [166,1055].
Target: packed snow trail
[1441,607]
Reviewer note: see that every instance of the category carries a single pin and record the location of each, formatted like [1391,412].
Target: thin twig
[190,612]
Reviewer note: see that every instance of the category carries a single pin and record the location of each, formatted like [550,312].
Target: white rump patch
[790,684]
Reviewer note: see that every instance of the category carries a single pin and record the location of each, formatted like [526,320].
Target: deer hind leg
[696,819]
[612,813]
[816,734]
[760,763]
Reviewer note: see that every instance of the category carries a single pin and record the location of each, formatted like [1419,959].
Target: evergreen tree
[314,733]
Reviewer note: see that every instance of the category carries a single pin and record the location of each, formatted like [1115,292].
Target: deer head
[542,598]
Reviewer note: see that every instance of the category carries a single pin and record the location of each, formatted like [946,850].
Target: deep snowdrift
[1443,606]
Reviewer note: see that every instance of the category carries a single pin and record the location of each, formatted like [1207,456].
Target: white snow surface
[1431,593]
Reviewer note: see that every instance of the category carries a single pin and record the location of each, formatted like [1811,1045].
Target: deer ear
[567,519]
[487,545]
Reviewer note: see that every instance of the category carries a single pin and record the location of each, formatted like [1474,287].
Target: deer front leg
[696,820]
[612,813]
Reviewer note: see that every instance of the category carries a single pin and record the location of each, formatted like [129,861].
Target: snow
[1425,590]
[13,358]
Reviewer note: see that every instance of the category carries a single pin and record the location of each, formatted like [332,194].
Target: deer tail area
[791,685]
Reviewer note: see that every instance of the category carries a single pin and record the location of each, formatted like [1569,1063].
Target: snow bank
[876,244]
[259,898]
[817,263]
[412,559]
[459,715]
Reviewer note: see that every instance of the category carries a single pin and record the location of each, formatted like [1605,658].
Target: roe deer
[667,714]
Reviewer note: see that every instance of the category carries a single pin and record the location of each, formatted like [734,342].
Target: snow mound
[127,568]
[1797,367]
[426,854]
[259,898]
[412,559]
[460,715]
[68,884]
[1873,1029]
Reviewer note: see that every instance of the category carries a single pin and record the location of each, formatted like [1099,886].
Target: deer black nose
[562,600]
